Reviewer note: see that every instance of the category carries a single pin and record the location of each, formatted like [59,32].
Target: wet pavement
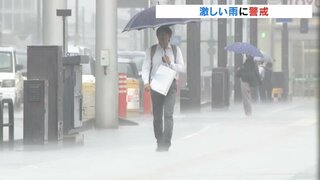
[278,142]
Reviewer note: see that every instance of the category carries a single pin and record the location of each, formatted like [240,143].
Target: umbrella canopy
[147,19]
[266,57]
[244,48]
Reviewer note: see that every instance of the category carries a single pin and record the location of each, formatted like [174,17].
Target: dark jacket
[249,73]
[266,82]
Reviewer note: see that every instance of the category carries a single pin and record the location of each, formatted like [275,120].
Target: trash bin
[220,88]
[35,121]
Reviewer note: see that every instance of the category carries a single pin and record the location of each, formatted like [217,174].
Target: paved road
[278,142]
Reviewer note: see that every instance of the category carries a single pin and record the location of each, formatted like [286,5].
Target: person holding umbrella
[169,55]
[162,53]
[248,72]
[250,79]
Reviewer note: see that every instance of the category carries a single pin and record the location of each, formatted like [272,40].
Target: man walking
[169,55]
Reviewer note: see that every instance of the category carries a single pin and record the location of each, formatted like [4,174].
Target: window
[29,5]
[5,62]
[18,25]
[7,4]
[18,4]
[7,24]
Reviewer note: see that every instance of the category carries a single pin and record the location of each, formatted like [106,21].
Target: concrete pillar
[194,62]
[211,43]
[222,39]
[52,24]
[253,31]
[238,58]
[106,101]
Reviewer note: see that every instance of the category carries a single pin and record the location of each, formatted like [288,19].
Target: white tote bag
[162,79]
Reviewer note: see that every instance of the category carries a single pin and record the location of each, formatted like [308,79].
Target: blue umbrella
[244,48]
[147,19]
[266,57]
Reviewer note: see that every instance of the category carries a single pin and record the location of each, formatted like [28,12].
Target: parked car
[135,56]
[11,80]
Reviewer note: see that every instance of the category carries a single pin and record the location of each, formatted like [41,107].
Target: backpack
[153,51]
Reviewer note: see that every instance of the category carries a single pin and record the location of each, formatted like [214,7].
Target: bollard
[9,102]
[146,102]
[122,102]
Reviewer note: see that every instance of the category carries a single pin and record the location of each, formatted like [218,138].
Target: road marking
[304,122]
[199,132]
[29,167]
[284,109]
[37,166]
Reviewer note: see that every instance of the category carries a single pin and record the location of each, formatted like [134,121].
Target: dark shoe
[159,149]
[162,148]
[166,148]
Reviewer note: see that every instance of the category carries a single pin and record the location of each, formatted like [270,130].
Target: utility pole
[285,57]
[106,100]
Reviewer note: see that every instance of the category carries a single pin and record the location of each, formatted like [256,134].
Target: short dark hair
[163,29]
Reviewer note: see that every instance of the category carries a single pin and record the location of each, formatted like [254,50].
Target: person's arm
[261,71]
[146,67]
[179,66]
[257,75]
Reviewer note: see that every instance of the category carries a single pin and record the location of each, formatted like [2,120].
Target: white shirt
[177,65]
[261,71]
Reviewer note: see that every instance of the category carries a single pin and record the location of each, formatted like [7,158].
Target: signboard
[315,4]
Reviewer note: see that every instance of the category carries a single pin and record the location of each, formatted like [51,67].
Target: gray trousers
[246,98]
[163,107]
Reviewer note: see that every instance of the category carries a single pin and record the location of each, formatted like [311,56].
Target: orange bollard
[146,102]
[122,102]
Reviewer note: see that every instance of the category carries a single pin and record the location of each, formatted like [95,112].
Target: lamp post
[64,13]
